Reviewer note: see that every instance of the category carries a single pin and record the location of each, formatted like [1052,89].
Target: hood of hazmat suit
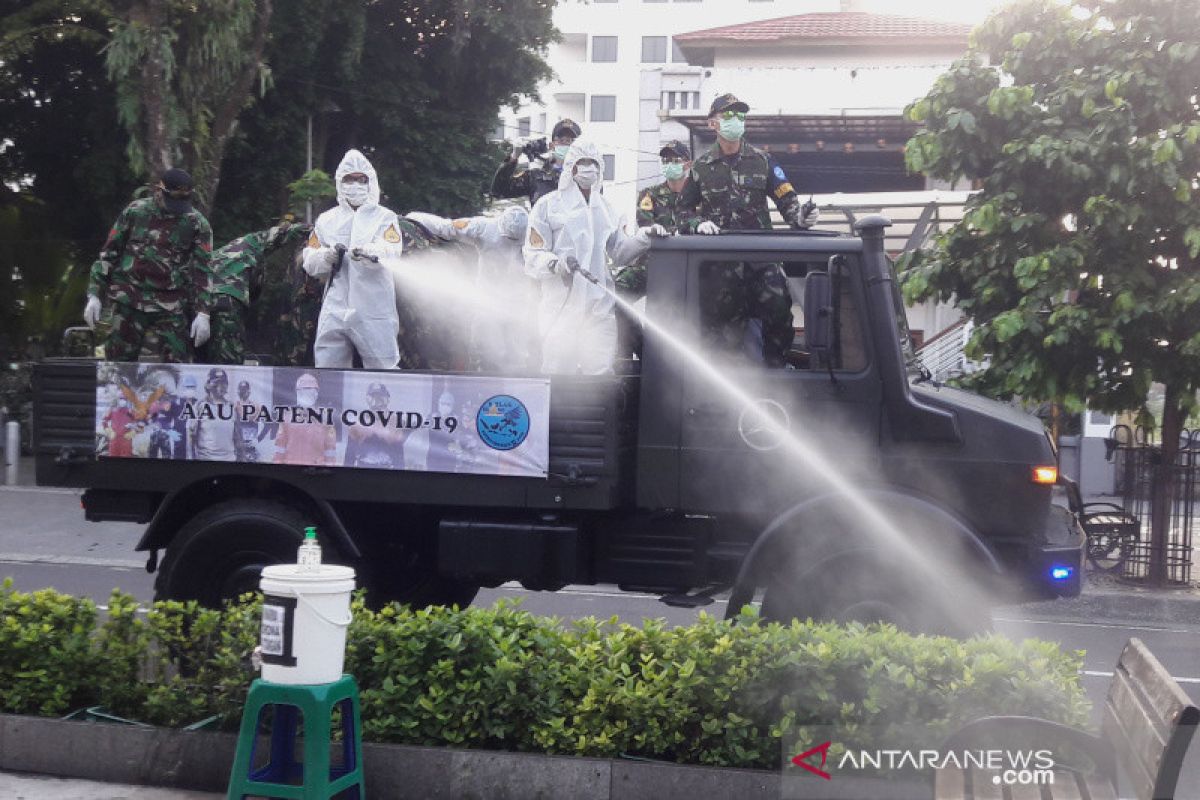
[575,316]
[359,310]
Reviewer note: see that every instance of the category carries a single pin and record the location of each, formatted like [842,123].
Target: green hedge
[709,693]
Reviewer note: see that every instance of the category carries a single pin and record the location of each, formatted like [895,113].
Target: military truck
[847,485]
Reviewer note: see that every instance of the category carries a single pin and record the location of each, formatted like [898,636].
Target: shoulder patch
[647,203]
[313,241]
[779,173]
[391,235]
[461,223]
[535,238]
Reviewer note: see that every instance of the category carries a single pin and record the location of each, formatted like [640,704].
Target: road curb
[201,761]
[1123,603]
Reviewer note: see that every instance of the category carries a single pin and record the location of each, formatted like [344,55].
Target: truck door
[755,440]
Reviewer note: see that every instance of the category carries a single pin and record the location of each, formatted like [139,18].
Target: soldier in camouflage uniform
[535,182]
[234,269]
[657,205]
[155,267]
[729,189]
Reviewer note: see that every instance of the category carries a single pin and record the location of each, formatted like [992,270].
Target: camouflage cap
[675,148]
[727,102]
[565,126]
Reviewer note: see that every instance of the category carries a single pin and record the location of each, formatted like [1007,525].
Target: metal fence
[1139,466]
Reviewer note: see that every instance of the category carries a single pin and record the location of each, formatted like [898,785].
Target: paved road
[45,543]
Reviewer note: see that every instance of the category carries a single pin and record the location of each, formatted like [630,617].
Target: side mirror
[818,315]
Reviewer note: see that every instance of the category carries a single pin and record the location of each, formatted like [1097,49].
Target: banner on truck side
[474,424]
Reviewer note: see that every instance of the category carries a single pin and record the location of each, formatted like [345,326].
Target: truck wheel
[866,592]
[219,554]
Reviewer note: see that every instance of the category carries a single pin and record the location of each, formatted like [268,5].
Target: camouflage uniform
[732,192]
[234,268]
[657,205]
[154,268]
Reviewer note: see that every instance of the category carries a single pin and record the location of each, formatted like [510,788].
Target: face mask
[672,171]
[355,193]
[732,129]
[587,177]
[561,150]
[307,398]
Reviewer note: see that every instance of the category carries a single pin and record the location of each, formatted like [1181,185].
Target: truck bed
[592,429]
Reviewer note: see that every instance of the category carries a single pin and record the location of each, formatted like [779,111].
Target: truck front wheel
[219,554]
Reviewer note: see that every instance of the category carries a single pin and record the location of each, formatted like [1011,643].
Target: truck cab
[843,486]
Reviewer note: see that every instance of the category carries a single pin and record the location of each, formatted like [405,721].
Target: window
[604,49]
[523,126]
[499,133]
[604,108]
[610,167]
[677,53]
[542,129]
[654,49]
[848,346]
[683,100]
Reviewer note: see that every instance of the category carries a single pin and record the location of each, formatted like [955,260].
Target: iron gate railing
[1138,467]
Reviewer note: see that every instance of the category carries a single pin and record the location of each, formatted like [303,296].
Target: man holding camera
[535,182]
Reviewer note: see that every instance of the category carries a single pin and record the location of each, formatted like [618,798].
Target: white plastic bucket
[305,616]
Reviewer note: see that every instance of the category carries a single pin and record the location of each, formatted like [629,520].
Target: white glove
[810,219]
[200,330]
[91,312]
[565,266]
[708,228]
[330,255]
[655,230]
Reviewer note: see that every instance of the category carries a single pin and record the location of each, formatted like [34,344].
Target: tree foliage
[183,73]
[1079,259]
[414,85]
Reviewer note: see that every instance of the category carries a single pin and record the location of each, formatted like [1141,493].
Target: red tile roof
[832,25]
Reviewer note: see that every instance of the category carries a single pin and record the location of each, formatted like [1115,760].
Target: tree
[415,85]
[1078,258]
[64,167]
[183,73]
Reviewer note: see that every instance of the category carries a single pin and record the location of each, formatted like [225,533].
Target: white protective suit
[503,332]
[359,309]
[576,322]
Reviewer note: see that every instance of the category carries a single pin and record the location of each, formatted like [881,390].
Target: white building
[826,85]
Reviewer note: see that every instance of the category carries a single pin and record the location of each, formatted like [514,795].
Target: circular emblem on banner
[763,424]
[502,422]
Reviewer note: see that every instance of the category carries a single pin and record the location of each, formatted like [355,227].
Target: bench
[1148,724]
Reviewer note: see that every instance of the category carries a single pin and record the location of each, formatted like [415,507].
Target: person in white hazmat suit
[358,312]
[571,231]
[503,333]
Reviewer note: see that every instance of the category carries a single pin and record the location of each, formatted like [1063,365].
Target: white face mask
[306,398]
[587,175]
[355,193]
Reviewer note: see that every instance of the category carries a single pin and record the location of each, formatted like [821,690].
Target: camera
[535,148]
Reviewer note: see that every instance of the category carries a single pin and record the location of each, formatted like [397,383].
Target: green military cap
[675,148]
[566,126]
[727,102]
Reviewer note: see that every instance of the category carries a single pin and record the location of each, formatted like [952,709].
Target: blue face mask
[733,129]
[672,171]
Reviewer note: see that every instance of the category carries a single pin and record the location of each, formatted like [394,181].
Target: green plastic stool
[318,780]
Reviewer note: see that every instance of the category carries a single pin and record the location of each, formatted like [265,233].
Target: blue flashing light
[1061,573]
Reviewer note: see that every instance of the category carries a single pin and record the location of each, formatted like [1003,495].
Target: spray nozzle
[360,254]
[573,265]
